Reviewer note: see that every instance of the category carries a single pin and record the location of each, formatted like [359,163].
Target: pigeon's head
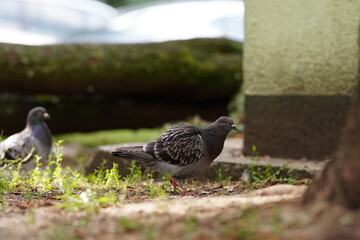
[37,114]
[226,123]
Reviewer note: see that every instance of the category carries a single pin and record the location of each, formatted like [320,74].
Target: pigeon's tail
[135,152]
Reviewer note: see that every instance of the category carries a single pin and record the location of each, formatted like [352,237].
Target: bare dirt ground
[213,212]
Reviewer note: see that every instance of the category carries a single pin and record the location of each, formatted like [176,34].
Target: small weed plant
[135,175]
[221,178]
[73,190]
[261,176]
[157,190]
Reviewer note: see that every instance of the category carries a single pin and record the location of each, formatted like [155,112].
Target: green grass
[75,191]
[263,176]
[108,137]
[105,187]
[116,136]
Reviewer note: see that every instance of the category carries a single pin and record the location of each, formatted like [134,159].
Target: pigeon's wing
[18,146]
[180,145]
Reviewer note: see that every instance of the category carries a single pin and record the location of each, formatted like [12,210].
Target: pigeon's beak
[234,127]
[46,116]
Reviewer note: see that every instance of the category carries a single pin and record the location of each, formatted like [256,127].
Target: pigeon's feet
[186,193]
[180,185]
[174,183]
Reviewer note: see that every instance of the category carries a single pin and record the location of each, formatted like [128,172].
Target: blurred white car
[26,37]
[39,22]
[172,20]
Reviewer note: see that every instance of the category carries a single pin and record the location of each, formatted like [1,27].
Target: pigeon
[35,139]
[183,151]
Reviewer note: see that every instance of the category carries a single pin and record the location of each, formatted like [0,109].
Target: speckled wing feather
[180,145]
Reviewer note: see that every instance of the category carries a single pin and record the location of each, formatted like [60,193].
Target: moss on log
[200,69]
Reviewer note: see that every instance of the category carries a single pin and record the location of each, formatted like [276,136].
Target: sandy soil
[206,215]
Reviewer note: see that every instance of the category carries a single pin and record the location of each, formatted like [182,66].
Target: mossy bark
[200,69]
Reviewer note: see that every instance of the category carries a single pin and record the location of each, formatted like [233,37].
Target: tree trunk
[339,182]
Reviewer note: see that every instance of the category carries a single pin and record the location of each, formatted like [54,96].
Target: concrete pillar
[300,63]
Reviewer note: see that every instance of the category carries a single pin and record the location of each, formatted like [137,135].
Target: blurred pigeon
[183,151]
[35,139]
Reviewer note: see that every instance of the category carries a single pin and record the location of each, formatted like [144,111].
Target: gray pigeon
[35,139]
[183,151]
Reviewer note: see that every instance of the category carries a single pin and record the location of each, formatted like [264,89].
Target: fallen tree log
[200,69]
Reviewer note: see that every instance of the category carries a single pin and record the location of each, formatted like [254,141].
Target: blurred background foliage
[92,87]
[199,70]
[88,83]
